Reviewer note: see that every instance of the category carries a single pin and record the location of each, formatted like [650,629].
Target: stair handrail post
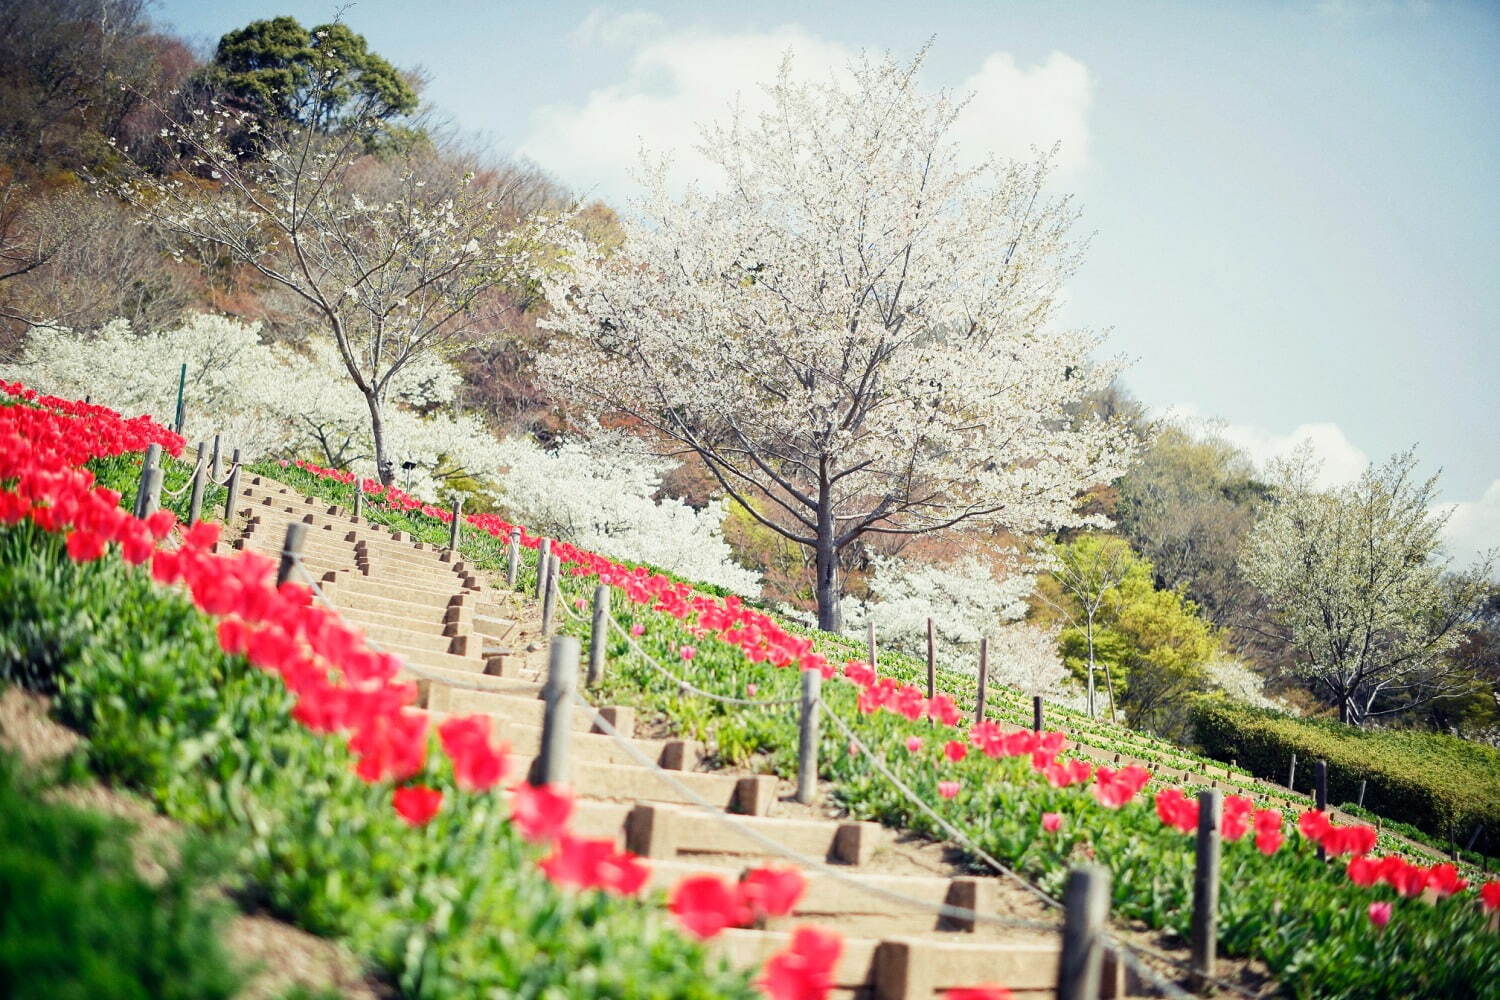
[984,679]
[931,660]
[598,635]
[1086,910]
[1205,933]
[291,551]
[458,507]
[195,500]
[148,463]
[541,566]
[870,639]
[1037,717]
[216,465]
[234,487]
[557,717]
[514,565]
[359,497]
[550,594]
[807,737]
[1320,795]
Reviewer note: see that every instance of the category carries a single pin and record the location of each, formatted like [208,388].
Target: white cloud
[1342,461]
[627,27]
[677,80]
[1473,526]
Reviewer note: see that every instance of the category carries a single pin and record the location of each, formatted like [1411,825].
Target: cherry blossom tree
[386,253]
[855,331]
[1356,580]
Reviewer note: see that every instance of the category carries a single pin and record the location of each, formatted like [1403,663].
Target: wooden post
[195,500]
[181,390]
[562,678]
[234,487]
[153,456]
[359,498]
[1291,775]
[216,466]
[515,558]
[870,639]
[291,548]
[807,737]
[148,496]
[1086,908]
[458,516]
[1205,935]
[1320,794]
[541,566]
[1036,713]
[931,661]
[598,634]
[1360,801]
[984,679]
[550,594]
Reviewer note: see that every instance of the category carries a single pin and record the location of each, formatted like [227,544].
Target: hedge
[1437,783]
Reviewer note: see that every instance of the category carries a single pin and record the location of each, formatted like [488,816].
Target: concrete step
[350,586]
[674,755]
[914,968]
[631,783]
[401,638]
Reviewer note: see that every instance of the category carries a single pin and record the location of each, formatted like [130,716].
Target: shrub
[1435,782]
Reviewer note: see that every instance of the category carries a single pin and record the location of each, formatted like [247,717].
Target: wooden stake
[984,679]
[807,737]
[1086,908]
[1205,942]
[551,766]
[598,635]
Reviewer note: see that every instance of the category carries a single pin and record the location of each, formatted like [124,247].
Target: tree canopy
[857,333]
[323,78]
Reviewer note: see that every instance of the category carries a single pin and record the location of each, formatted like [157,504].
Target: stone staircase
[480,650]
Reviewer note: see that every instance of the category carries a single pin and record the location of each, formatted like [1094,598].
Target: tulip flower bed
[227,726]
[1360,925]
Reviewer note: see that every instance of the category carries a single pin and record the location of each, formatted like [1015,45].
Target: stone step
[632,783]
[362,614]
[458,668]
[502,697]
[401,638]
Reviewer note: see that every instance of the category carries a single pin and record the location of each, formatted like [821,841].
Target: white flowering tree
[264,398]
[387,254]
[964,599]
[600,493]
[855,333]
[1356,579]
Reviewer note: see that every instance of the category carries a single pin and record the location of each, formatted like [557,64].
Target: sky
[1295,207]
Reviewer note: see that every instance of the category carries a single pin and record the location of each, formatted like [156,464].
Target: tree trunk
[1089,632]
[385,468]
[826,588]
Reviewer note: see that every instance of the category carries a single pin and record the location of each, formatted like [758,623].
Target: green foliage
[1152,642]
[77,922]
[323,78]
[454,909]
[1438,783]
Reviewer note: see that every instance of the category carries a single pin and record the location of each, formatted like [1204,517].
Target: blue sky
[1295,205]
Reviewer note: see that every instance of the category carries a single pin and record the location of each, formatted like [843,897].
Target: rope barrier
[693,688]
[174,494]
[727,819]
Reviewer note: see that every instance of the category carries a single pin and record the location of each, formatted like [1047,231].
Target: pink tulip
[688,652]
[1380,914]
[1052,822]
[637,630]
[913,743]
[853,749]
[947,789]
[750,690]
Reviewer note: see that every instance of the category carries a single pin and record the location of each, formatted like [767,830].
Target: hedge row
[1437,783]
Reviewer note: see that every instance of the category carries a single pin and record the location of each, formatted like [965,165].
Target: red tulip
[913,744]
[772,892]
[540,811]
[955,751]
[1489,896]
[84,546]
[705,905]
[804,971]
[477,766]
[417,804]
